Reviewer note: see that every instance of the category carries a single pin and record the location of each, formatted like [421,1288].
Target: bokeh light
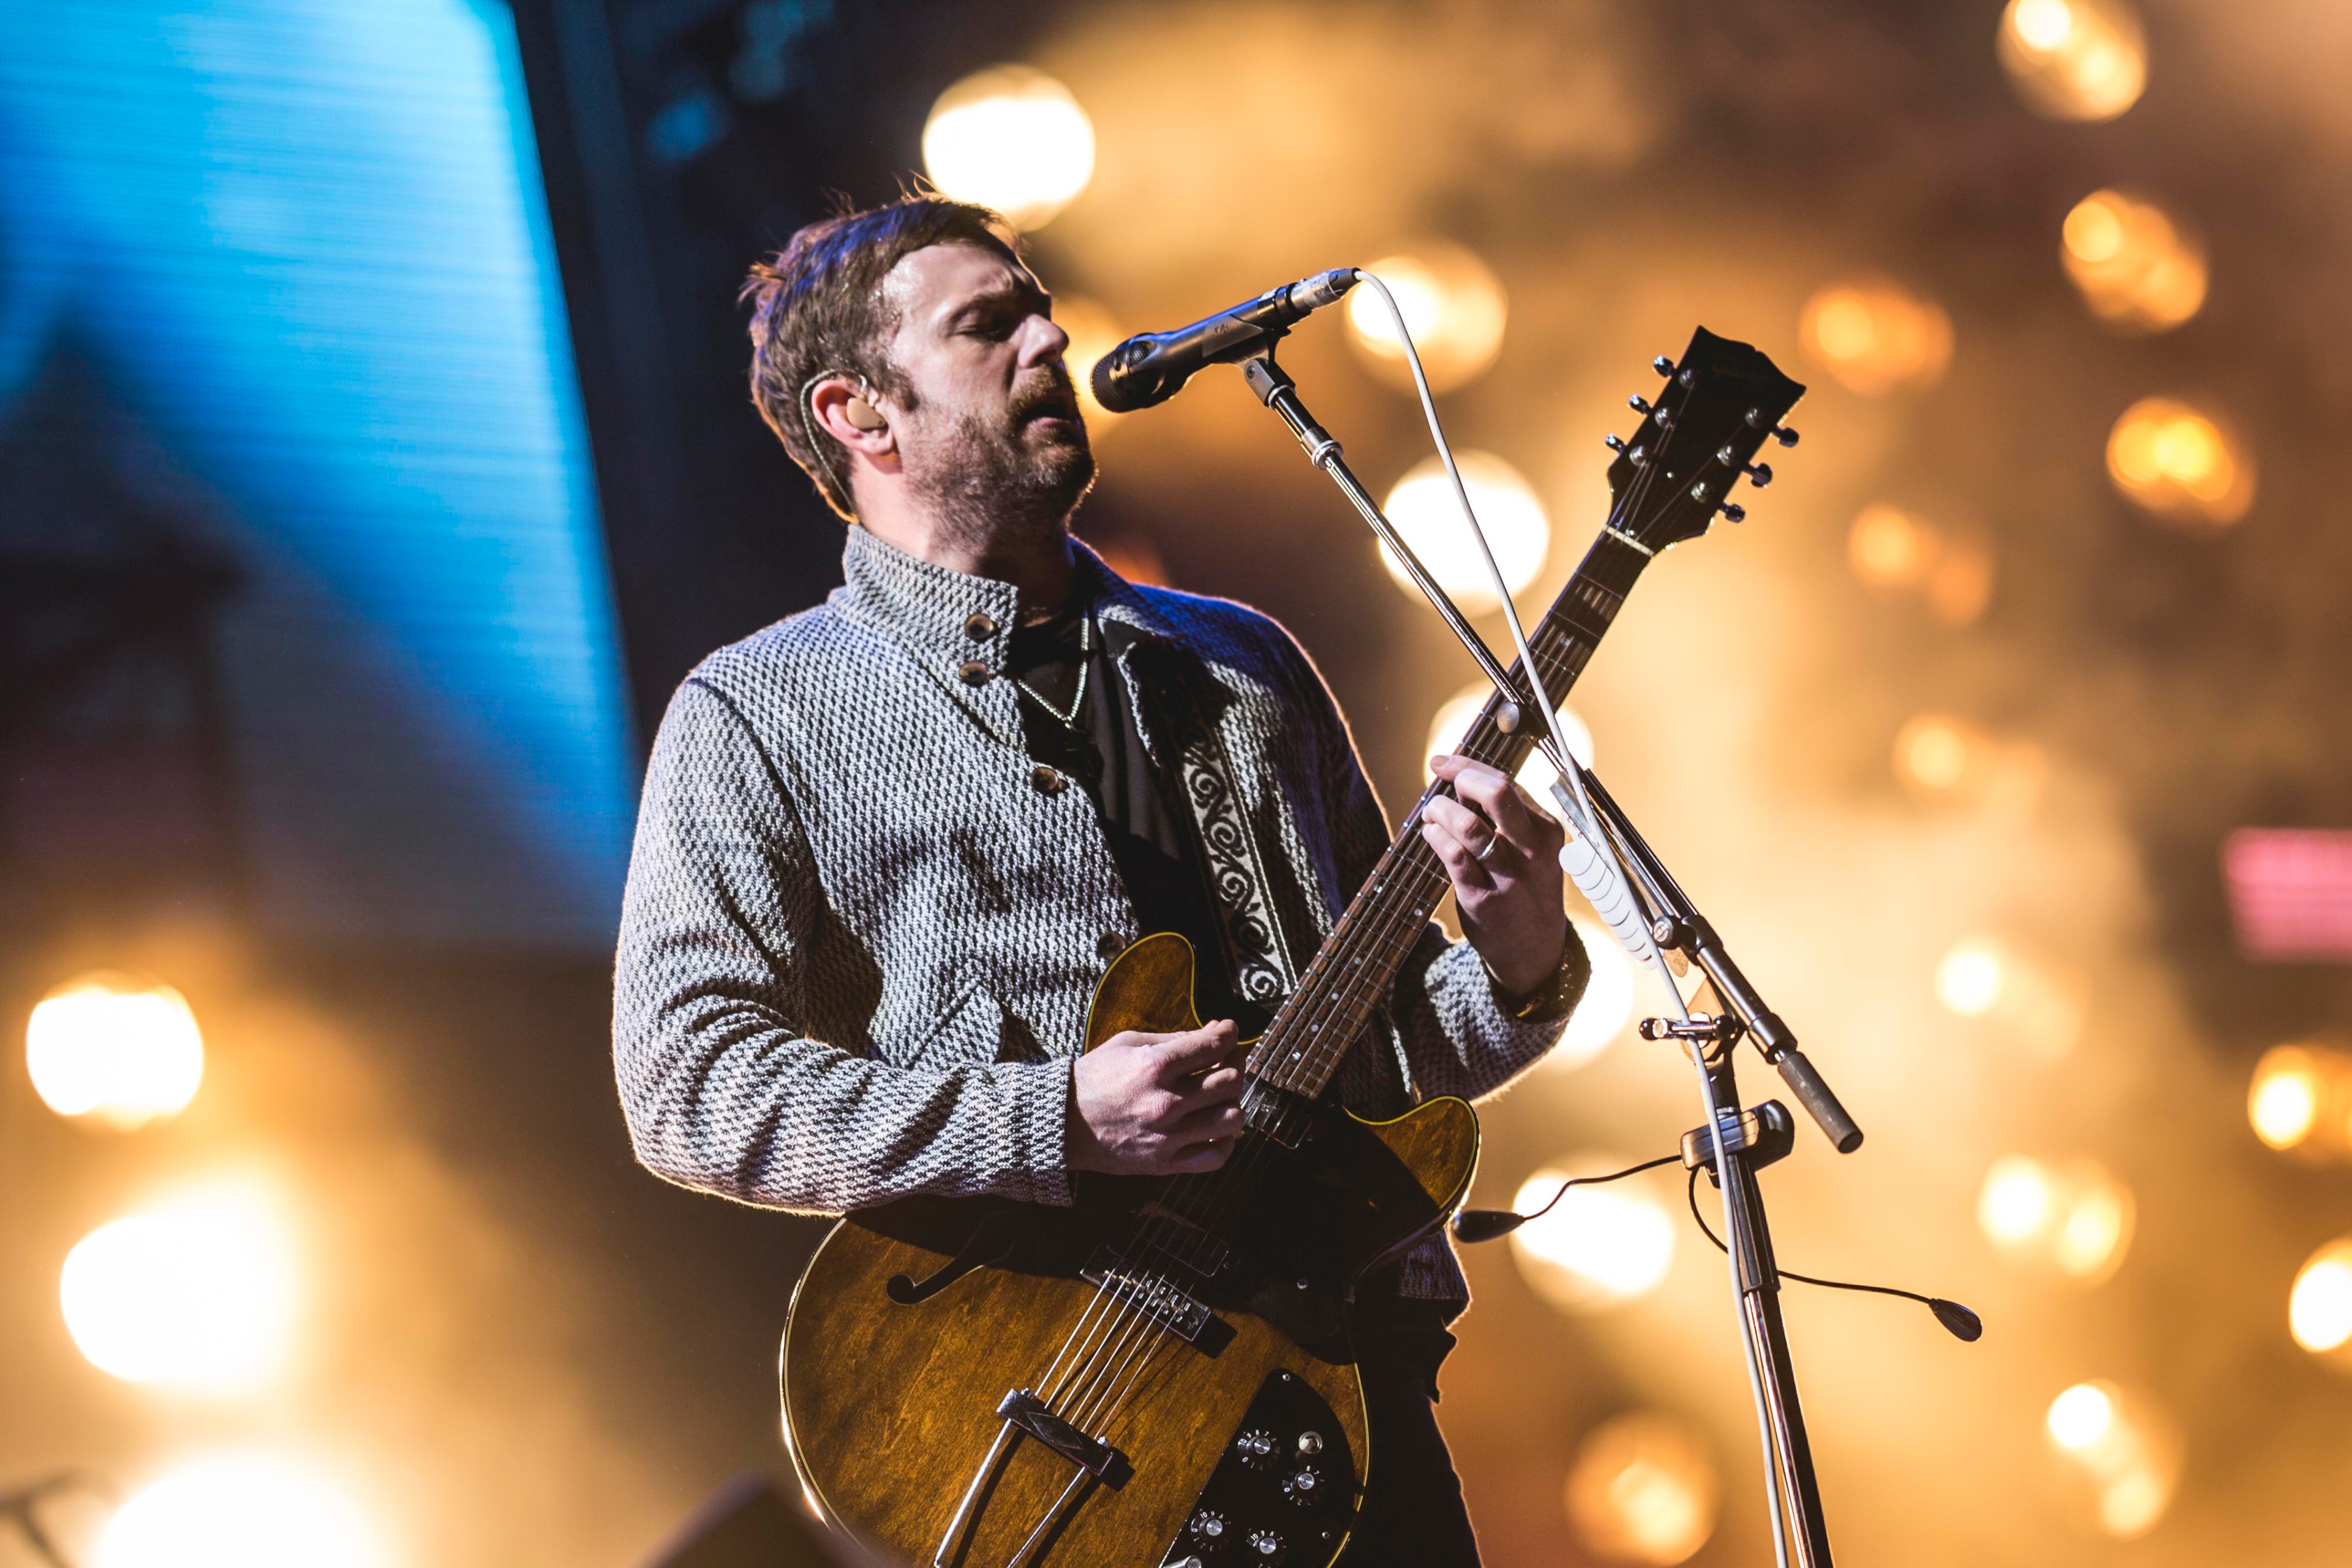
[2300,1098]
[2138,270]
[1012,139]
[2035,1002]
[119,1050]
[243,1510]
[199,1293]
[1425,510]
[1600,1247]
[1947,761]
[2180,463]
[2124,1446]
[1607,1005]
[1453,304]
[1897,551]
[2074,60]
[1643,1490]
[2074,1216]
[2319,1308]
[1876,337]
[1452,722]
[1094,332]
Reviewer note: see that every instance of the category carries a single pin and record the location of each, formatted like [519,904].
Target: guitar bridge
[1091,1454]
[1160,1300]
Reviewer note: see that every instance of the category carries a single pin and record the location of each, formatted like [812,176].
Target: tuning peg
[1785,434]
[1663,365]
[1613,442]
[1759,474]
[1735,512]
[1639,403]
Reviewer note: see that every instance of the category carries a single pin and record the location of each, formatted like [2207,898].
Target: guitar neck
[1350,975]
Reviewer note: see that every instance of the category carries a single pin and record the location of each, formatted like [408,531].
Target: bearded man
[889,845]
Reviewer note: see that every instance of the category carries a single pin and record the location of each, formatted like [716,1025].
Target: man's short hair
[817,308]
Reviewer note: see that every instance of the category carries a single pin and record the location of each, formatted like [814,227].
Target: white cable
[1591,860]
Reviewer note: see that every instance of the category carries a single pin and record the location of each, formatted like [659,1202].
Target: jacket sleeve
[722,1088]
[1456,1032]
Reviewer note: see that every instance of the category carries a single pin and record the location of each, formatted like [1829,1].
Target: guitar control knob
[1256,1448]
[1305,1486]
[1310,1443]
[1264,1547]
[1207,1527]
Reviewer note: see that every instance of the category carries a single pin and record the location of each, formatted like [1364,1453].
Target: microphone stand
[1750,1140]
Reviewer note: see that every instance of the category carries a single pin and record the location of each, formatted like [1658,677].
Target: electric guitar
[1161,1373]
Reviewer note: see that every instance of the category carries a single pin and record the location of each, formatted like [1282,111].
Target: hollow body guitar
[1162,1372]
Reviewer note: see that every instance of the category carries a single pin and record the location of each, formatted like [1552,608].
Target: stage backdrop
[278,293]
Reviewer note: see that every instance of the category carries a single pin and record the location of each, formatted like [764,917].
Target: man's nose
[1041,339]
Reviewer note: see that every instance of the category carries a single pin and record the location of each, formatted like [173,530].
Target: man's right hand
[1158,1105]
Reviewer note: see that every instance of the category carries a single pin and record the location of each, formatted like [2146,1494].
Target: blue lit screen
[287,264]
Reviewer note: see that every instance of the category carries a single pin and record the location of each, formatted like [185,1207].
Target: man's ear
[841,409]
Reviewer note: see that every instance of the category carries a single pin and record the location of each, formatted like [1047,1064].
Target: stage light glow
[1012,139]
[1607,1005]
[1094,332]
[119,1050]
[2301,1098]
[1891,548]
[1969,980]
[2319,1308]
[2035,1002]
[198,1294]
[1600,1247]
[1901,551]
[1643,1490]
[2139,270]
[1949,760]
[2074,60]
[2180,463]
[243,1510]
[1453,304]
[1876,337]
[1425,510]
[2074,1218]
[2128,1450]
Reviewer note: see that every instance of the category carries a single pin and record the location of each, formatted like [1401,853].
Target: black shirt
[1150,836]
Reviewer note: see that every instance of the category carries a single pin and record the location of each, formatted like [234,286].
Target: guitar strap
[1251,932]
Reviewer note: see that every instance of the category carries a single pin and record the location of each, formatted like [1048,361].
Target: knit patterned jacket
[861,928]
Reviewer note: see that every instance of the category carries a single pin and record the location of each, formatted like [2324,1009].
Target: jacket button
[1110,944]
[974,672]
[1048,781]
[980,627]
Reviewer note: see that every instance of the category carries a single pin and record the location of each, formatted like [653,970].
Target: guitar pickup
[1092,1455]
[1162,1302]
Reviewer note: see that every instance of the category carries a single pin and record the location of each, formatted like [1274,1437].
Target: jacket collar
[933,611]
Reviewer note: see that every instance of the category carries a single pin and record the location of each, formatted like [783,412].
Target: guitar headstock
[1697,439]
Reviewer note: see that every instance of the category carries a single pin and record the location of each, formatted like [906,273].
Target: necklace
[1068,721]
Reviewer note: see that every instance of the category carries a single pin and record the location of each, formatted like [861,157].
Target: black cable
[1963,1323]
[1484,1225]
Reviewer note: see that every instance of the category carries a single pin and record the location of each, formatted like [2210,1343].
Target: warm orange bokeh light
[119,1050]
[2074,60]
[2124,1446]
[2074,1216]
[2301,1098]
[1876,337]
[1902,551]
[1453,304]
[2180,463]
[1642,1491]
[2139,271]
[1949,761]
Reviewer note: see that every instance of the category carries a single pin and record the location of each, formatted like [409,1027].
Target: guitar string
[1140,1311]
[1140,1333]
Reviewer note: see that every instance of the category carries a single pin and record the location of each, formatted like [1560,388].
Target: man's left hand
[1504,861]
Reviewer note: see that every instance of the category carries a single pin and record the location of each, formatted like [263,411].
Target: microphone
[1152,367]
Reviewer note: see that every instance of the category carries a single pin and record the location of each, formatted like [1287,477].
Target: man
[888,846]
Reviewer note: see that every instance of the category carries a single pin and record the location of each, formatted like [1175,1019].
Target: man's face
[991,431]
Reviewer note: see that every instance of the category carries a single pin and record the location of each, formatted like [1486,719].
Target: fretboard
[1345,985]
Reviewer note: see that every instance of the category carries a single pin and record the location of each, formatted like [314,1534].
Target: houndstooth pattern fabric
[859,939]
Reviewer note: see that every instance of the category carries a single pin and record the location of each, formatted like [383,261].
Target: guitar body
[1209,1395]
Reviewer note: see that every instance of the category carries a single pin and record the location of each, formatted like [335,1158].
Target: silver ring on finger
[1493,842]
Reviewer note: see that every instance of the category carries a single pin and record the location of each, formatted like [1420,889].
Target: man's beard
[986,483]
